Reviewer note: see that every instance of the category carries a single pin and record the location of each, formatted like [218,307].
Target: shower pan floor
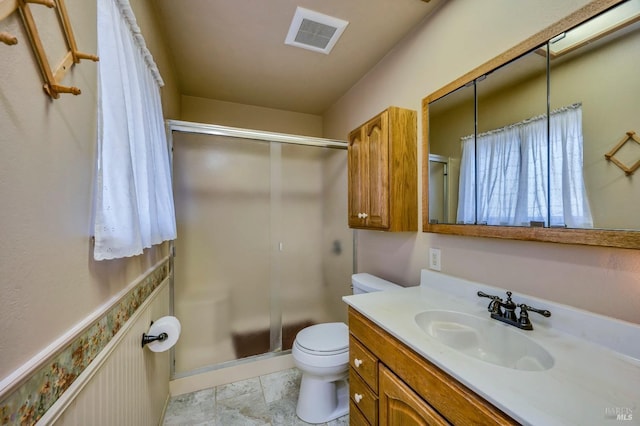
[257,342]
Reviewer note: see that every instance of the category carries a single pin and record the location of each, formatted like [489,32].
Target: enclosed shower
[263,247]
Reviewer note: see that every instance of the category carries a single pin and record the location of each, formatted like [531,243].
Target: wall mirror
[516,148]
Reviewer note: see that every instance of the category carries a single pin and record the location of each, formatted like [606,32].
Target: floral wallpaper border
[36,395]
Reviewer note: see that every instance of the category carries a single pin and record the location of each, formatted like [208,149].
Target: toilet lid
[330,337]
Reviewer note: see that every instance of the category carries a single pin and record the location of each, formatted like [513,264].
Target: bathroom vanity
[390,384]
[432,354]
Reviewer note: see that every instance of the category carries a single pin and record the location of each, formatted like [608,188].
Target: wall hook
[54,89]
[8,39]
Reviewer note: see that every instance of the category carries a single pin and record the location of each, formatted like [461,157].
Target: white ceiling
[234,51]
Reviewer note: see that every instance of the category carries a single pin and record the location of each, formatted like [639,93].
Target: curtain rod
[525,121]
[235,132]
[127,13]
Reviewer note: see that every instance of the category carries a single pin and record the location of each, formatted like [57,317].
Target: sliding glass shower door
[257,246]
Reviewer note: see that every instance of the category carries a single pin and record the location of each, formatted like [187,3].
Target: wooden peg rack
[52,77]
[631,135]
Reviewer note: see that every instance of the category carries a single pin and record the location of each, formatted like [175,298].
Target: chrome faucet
[506,311]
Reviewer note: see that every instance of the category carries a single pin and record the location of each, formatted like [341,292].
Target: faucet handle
[494,305]
[481,294]
[524,308]
[524,321]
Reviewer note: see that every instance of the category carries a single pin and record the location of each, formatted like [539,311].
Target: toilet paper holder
[162,334]
[146,338]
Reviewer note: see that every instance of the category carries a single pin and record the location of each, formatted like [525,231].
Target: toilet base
[320,401]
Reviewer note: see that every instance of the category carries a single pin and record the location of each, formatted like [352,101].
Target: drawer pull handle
[357,397]
[357,362]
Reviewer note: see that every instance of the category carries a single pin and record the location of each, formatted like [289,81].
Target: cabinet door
[357,178]
[400,405]
[376,143]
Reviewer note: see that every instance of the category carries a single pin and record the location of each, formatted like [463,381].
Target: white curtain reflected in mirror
[504,179]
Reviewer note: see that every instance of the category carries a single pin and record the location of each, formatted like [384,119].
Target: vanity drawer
[364,363]
[356,418]
[363,398]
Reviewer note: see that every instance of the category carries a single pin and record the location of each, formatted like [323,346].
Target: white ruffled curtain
[513,185]
[134,201]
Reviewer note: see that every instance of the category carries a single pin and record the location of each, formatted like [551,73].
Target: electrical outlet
[434,259]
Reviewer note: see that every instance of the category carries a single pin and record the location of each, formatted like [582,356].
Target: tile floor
[266,400]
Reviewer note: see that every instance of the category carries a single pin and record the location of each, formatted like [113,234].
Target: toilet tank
[367,283]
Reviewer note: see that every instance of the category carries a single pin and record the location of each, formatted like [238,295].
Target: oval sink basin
[485,339]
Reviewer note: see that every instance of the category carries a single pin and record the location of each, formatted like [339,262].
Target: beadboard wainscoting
[131,387]
[98,374]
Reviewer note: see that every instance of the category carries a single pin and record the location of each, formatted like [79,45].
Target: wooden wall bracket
[631,135]
[52,77]
[8,39]
[7,7]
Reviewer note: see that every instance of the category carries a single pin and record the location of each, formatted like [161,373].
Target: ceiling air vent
[314,31]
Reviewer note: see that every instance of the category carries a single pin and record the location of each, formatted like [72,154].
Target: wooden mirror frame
[593,237]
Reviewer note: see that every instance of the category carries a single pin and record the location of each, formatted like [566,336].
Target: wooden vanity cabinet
[407,389]
[383,172]
[400,405]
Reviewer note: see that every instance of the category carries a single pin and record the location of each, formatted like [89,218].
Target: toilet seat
[324,339]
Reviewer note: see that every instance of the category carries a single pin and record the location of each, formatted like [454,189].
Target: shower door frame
[247,134]
[441,159]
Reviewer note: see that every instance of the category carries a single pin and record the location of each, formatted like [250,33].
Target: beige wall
[337,266]
[202,110]
[445,47]
[49,281]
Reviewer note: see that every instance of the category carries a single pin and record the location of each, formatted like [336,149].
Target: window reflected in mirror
[511,171]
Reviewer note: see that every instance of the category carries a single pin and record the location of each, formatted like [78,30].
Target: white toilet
[321,352]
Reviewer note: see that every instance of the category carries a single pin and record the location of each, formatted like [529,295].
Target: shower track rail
[214,129]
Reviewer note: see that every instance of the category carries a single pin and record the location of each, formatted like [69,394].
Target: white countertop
[596,370]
